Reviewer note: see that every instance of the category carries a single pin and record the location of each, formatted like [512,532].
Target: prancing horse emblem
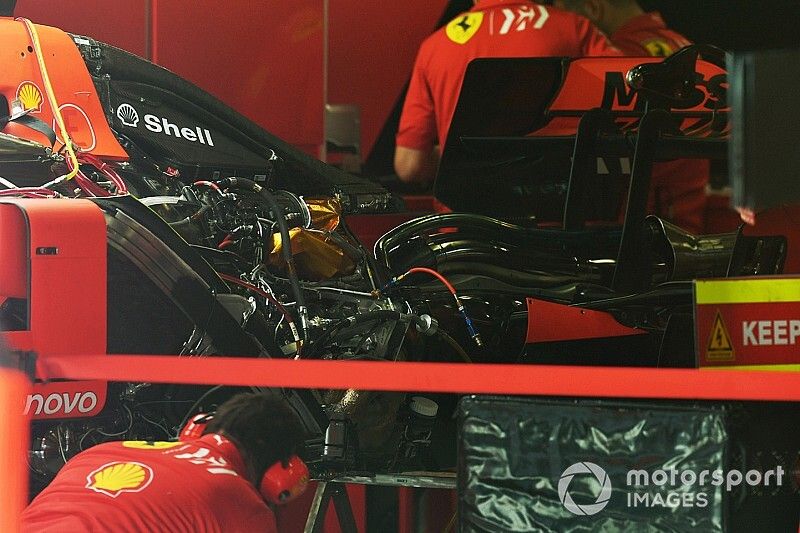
[461,29]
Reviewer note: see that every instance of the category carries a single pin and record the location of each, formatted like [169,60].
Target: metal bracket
[632,271]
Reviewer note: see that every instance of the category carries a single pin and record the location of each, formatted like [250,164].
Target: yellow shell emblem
[113,479]
[30,96]
[150,445]
[462,28]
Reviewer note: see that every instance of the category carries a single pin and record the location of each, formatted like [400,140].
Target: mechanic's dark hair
[263,425]
[7,8]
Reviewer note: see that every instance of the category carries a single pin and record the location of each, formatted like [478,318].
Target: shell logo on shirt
[112,479]
[461,29]
[150,445]
[658,48]
[30,96]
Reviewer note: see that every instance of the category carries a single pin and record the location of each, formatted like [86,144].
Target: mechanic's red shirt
[135,486]
[648,35]
[678,189]
[493,28]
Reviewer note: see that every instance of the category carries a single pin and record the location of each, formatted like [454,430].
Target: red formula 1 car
[138,214]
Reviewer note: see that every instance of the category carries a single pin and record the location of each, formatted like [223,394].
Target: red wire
[208,184]
[435,275]
[270,298]
[470,327]
[106,170]
[32,192]
[226,243]
[87,185]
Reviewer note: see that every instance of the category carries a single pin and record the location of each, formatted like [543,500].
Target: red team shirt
[493,28]
[678,188]
[648,35]
[135,486]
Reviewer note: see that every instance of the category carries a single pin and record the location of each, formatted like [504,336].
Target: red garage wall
[265,58]
[124,26]
[372,50]
[262,58]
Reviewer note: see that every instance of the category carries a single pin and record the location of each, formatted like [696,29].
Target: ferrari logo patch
[720,347]
[658,48]
[149,444]
[461,29]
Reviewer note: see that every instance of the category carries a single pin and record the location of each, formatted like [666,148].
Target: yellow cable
[34,35]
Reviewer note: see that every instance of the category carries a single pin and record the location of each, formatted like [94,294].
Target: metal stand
[327,491]
[335,490]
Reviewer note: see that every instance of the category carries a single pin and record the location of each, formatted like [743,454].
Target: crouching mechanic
[214,481]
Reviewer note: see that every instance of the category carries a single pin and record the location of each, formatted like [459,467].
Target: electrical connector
[473,332]
[390,285]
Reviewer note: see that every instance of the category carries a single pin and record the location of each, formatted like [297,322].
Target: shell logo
[112,479]
[30,96]
[150,445]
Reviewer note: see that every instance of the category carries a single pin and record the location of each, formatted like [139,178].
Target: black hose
[286,244]
[402,232]
[550,244]
[454,345]
[510,276]
[355,254]
[377,277]
[191,218]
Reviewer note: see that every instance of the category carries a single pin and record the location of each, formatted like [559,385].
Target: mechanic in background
[678,191]
[7,8]
[214,482]
[493,28]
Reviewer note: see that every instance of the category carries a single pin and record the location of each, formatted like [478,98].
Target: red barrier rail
[433,377]
[14,437]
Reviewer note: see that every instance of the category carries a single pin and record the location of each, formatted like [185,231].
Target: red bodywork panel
[54,257]
[552,322]
[72,86]
[600,82]
[13,250]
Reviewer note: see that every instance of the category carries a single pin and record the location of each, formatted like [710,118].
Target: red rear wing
[600,82]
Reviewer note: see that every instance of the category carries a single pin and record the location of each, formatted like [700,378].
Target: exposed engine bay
[222,240]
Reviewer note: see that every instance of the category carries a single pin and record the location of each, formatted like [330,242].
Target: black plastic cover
[513,452]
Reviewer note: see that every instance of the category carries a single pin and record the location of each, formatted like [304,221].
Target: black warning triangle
[720,347]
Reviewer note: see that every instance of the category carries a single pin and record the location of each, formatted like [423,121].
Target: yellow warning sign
[720,347]
[461,29]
